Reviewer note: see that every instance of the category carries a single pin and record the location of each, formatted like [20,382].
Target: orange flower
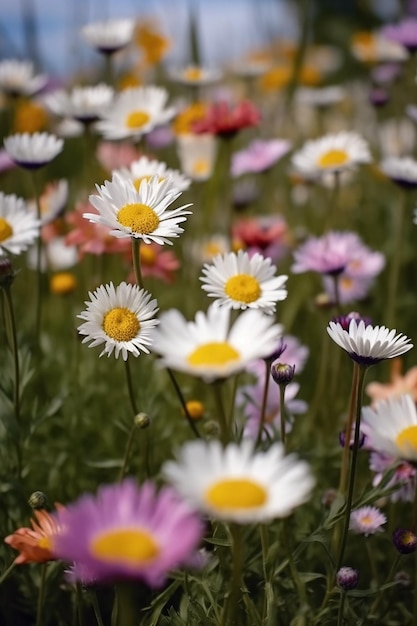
[29,118]
[35,544]
[398,385]
[153,45]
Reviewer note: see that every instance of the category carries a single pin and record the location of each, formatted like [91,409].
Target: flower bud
[282,373]
[7,273]
[404,540]
[280,348]
[142,420]
[344,320]
[347,578]
[195,409]
[38,501]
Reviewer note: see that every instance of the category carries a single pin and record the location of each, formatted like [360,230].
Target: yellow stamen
[236,493]
[333,158]
[201,167]
[121,324]
[407,439]
[367,519]
[215,353]
[193,73]
[243,288]
[129,546]
[45,543]
[138,181]
[6,230]
[140,218]
[62,283]
[137,119]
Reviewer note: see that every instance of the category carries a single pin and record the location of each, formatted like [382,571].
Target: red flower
[224,120]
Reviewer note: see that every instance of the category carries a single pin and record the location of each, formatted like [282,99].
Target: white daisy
[121,318]
[109,36]
[52,201]
[211,348]
[135,112]
[368,344]
[196,75]
[33,150]
[401,170]
[84,104]
[332,153]
[374,47]
[236,483]
[145,168]
[391,427]
[367,520]
[19,78]
[239,281]
[138,213]
[18,225]
[197,155]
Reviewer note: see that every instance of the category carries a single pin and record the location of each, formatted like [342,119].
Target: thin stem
[79,598]
[183,403]
[96,609]
[128,450]
[7,571]
[393,281]
[341,609]
[282,412]
[352,474]
[136,261]
[41,595]
[130,387]
[380,594]
[263,529]
[221,415]
[264,401]
[232,602]
[38,304]
[348,430]
[336,285]
[299,585]
[333,199]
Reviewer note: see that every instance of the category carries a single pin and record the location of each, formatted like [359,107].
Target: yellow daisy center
[407,438]
[243,288]
[137,119]
[121,324]
[333,158]
[193,73]
[148,177]
[200,167]
[45,543]
[140,218]
[214,353]
[366,520]
[6,230]
[236,493]
[131,546]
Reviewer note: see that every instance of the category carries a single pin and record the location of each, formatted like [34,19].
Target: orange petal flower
[35,544]
[398,385]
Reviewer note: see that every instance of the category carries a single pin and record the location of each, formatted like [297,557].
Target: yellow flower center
[140,218]
[407,438]
[130,546]
[137,119]
[147,255]
[214,353]
[200,167]
[62,283]
[138,181]
[243,288]
[236,493]
[193,73]
[121,324]
[366,520]
[6,230]
[333,158]
[45,543]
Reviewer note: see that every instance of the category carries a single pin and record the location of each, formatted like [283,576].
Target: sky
[227,28]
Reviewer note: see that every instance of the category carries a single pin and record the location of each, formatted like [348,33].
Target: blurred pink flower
[157,262]
[114,155]
[92,238]
[264,234]
[398,385]
[259,156]
[404,476]
[225,120]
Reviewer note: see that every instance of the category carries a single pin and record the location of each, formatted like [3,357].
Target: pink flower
[367,520]
[398,385]
[264,234]
[259,156]
[405,476]
[94,238]
[113,156]
[224,120]
[158,263]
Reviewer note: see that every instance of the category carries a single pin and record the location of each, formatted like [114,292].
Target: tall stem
[232,602]
[348,430]
[362,369]
[128,450]
[41,595]
[221,415]
[183,403]
[282,412]
[264,400]
[38,304]
[130,387]
[394,276]
[136,261]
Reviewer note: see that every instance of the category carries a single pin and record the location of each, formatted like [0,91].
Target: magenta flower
[404,32]
[126,531]
[294,353]
[335,253]
[259,156]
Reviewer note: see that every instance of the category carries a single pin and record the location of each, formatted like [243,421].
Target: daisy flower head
[109,36]
[391,427]
[145,168]
[35,544]
[401,170]
[135,112]
[195,75]
[121,318]
[238,484]
[367,344]
[83,103]
[128,532]
[33,151]
[332,153]
[142,213]
[367,520]
[18,78]
[210,347]
[239,281]
[197,154]
[52,201]
[18,225]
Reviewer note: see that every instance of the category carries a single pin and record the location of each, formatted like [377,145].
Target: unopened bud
[282,373]
[38,501]
[195,409]
[142,420]
[404,540]
[347,578]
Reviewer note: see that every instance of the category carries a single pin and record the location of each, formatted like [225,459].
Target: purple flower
[259,156]
[347,578]
[404,32]
[367,520]
[405,476]
[404,540]
[294,352]
[126,531]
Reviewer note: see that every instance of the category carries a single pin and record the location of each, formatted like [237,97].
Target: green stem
[264,400]
[358,403]
[126,612]
[394,276]
[136,261]
[96,609]
[348,430]
[333,200]
[380,594]
[128,451]
[7,571]
[38,304]
[130,387]
[282,412]
[183,403]
[298,583]
[79,598]
[341,609]
[229,617]
[221,415]
[41,595]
